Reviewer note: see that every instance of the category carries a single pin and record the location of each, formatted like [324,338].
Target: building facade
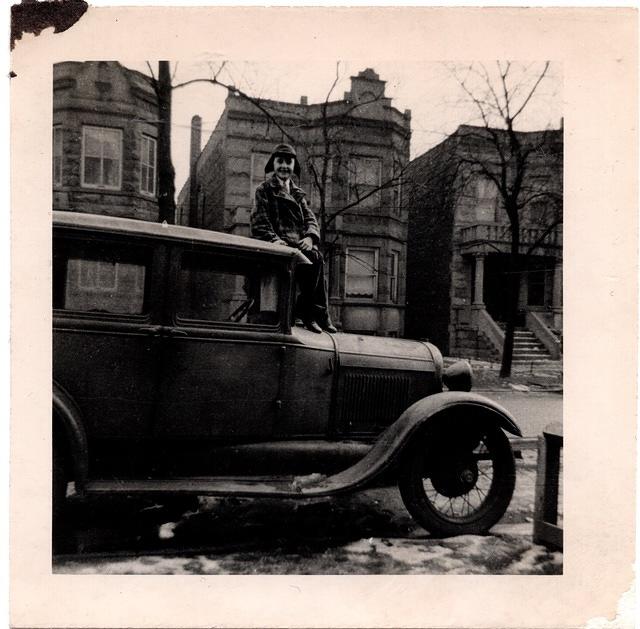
[352,152]
[460,242]
[104,140]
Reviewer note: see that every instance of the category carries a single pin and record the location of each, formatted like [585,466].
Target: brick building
[459,243]
[364,142]
[104,140]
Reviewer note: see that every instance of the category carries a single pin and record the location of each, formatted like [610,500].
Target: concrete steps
[527,348]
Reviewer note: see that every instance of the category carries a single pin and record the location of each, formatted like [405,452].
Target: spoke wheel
[458,479]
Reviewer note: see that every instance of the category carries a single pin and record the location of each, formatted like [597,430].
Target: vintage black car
[177,369]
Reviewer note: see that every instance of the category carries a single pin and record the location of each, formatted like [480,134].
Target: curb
[524,443]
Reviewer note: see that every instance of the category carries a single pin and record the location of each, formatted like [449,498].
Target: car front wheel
[458,478]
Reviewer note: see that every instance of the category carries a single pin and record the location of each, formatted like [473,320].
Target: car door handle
[151,330]
[174,332]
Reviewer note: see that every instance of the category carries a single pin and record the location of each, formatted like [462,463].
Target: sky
[437,103]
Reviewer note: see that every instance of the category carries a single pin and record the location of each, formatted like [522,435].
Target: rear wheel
[458,478]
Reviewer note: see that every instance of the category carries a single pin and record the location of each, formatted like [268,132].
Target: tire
[458,478]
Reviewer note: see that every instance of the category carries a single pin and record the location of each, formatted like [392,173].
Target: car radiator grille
[368,402]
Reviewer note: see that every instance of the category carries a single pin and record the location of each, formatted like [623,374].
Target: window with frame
[100,277]
[335,263]
[258,162]
[148,160]
[486,199]
[361,273]
[539,212]
[365,177]
[101,158]
[397,199]
[537,282]
[397,188]
[229,291]
[394,265]
[57,155]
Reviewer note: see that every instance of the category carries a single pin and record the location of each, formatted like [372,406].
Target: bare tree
[327,155]
[323,149]
[166,172]
[506,158]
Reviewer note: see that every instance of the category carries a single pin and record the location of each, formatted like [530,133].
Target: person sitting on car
[281,215]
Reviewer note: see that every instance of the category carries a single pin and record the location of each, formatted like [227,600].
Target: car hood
[359,350]
[377,378]
[376,352]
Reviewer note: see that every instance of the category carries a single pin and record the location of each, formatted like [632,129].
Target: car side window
[100,277]
[215,289]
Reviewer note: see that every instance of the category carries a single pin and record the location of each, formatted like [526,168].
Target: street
[532,410]
[369,532]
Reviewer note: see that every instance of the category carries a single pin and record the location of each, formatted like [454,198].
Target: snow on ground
[365,533]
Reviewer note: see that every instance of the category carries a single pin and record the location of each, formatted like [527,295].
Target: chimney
[304,100]
[194,153]
[196,139]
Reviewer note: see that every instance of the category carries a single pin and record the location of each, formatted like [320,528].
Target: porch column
[477,305]
[556,306]
[478,285]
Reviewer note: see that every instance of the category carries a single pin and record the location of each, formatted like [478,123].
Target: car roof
[136,227]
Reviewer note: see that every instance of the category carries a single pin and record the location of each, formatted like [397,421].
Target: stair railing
[542,332]
[488,326]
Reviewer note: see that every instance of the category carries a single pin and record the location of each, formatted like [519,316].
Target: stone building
[364,142]
[104,140]
[459,243]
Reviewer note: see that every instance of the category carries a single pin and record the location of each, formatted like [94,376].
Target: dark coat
[279,215]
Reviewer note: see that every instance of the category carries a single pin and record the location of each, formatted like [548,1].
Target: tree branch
[390,183]
[533,89]
[548,229]
[539,195]
[153,76]
[255,101]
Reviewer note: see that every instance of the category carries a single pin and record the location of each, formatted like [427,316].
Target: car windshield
[226,290]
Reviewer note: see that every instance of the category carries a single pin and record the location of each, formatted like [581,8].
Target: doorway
[496,275]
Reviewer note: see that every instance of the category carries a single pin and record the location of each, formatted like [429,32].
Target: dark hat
[283,149]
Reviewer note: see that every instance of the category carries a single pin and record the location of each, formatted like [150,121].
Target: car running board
[276,486]
[379,458]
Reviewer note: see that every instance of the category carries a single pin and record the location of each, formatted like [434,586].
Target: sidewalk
[540,376]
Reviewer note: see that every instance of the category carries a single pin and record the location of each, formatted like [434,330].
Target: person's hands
[280,242]
[306,244]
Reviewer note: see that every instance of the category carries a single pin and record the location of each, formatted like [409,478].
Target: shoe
[313,326]
[325,323]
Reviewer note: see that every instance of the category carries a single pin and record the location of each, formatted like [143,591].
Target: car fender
[390,444]
[68,418]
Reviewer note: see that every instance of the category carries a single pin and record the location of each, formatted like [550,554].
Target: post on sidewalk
[545,522]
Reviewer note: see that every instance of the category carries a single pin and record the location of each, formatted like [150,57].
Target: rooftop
[135,227]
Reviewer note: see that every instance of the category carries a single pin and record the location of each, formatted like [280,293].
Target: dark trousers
[312,300]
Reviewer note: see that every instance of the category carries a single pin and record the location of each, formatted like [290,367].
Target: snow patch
[151,565]
[534,559]
[167,530]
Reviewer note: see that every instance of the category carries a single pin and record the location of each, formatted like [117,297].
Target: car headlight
[459,376]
